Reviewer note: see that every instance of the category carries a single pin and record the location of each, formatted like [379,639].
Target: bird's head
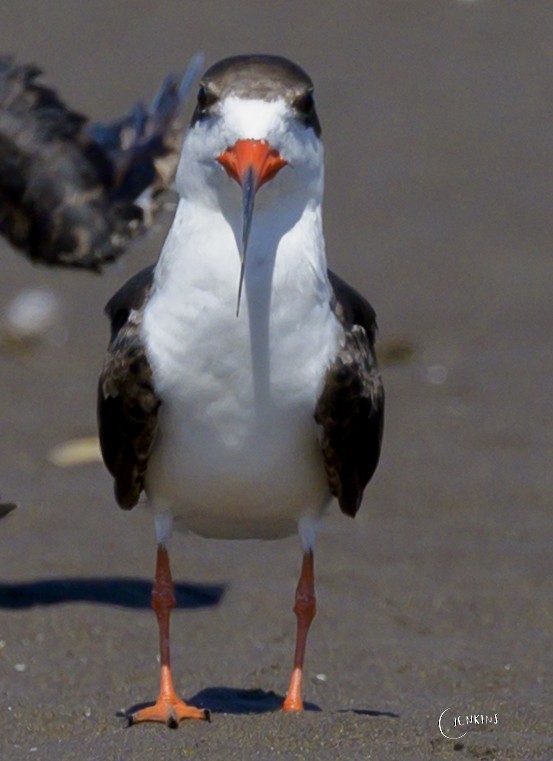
[254,130]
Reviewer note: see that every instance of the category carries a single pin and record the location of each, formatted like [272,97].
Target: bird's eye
[305,103]
[205,98]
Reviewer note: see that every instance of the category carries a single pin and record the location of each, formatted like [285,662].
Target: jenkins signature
[466,722]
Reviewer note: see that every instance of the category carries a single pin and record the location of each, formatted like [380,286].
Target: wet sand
[436,121]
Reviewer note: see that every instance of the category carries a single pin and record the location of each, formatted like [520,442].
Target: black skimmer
[242,422]
[72,193]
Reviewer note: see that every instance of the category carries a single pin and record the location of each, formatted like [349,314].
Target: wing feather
[127,402]
[350,409]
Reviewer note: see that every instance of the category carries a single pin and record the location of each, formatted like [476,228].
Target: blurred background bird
[73,193]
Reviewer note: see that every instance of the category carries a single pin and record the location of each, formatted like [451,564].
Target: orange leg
[168,708]
[305,610]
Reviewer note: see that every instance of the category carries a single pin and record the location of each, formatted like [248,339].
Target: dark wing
[73,194]
[127,402]
[350,410]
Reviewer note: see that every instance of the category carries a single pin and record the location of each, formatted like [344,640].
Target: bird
[73,192]
[240,391]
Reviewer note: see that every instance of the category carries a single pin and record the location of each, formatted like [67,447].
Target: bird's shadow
[370,712]
[124,592]
[240,701]
[232,701]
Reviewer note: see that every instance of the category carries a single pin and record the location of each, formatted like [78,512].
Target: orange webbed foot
[170,712]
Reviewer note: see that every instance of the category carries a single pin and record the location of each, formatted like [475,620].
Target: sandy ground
[437,125]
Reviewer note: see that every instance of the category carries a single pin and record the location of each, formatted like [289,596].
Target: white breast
[237,453]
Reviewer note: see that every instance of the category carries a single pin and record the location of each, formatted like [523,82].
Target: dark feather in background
[70,190]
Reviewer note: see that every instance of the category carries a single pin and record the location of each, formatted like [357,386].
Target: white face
[201,178]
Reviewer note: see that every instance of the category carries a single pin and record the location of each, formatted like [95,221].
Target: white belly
[237,453]
[255,482]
